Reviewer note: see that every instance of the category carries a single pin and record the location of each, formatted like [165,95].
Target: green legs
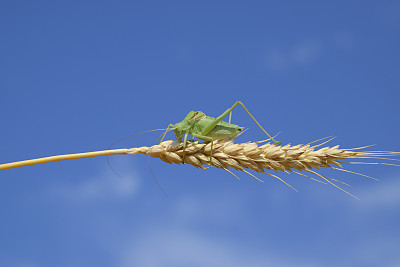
[229,110]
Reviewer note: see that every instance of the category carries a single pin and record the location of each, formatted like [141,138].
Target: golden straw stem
[63,157]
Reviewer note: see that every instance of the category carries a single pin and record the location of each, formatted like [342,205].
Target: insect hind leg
[184,148]
[229,110]
[248,112]
[259,125]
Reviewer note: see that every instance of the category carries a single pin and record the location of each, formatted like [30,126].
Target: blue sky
[77,75]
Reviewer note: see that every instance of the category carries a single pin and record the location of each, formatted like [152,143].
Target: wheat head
[242,156]
[261,158]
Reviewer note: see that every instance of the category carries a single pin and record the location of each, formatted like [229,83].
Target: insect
[207,128]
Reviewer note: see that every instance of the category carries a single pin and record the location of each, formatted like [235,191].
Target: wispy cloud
[104,185]
[382,195]
[176,236]
[299,54]
[187,248]
[345,40]
[389,13]
[180,243]
[25,264]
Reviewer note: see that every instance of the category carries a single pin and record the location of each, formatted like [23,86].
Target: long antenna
[108,159]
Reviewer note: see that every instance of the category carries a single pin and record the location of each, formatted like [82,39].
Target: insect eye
[193,115]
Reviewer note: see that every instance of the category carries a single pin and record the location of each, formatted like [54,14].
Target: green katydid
[210,129]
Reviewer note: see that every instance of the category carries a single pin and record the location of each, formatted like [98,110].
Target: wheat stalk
[251,155]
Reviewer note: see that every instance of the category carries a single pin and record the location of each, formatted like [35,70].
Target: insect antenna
[151,170]
[109,147]
[126,137]
[169,128]
[156,181]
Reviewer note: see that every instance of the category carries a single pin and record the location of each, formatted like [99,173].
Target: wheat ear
[241,156]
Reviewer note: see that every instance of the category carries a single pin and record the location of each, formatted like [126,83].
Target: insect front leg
[184,147]
[171,125]
[206,138]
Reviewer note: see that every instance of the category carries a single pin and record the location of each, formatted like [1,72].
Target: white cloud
[389,14]
[25,264]
[306,52]
[174,237]
[187,248]
[299,54]
[179,242]
[382,195]
[387,255]
[344,40]
[104,185]
[374,196]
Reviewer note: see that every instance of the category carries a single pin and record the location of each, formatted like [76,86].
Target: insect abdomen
[222,132]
